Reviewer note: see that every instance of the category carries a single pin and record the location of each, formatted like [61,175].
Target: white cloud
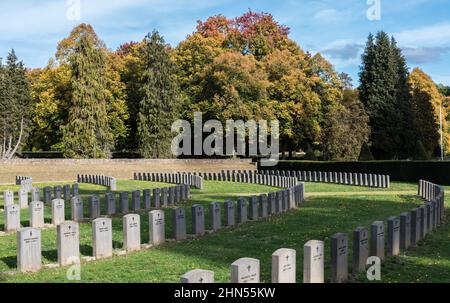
[427,36]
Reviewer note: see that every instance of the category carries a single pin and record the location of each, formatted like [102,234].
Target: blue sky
[338,29]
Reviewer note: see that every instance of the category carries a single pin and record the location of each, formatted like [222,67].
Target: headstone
[339,258]
[360,249]
[47,195]
[272,203]
[35,194]
[66,191]
[156,198]
[198,276]
[58,212]
[313,262]
[157,231]
[377,239]
[229,213]
[284,266]
[75,189]
[58,191]
[76,204]
[68,239]
[215,216]
[415,227]
[29,250]
[423,221]
[245,270]
[124,203]
[102,238]
[393,248]
[263,206]
[405,231]
[94,207]
[147,198]
[254,209]
[242,210]
[198,220]
[136,200]
[179,223]
[23,198]
[110,204]
[12,218]
[8,197]
[36,214]
[131,232]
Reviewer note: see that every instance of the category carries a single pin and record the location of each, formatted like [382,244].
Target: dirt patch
[67,169]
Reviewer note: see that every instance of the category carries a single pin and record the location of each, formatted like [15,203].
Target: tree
[382,91]
[426,101]
[15,100]
[87,133]
[160,103]
[419,152]
[366,154]
[346,129]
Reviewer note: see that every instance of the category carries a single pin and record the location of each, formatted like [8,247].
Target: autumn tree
[88,133]
[159,106]
[426,101]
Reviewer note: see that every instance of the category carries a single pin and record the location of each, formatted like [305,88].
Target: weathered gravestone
[393,248]
[284,266]
[166,195]
[94,207]
[124,203]
[377,239]
[29,250]
[157,231]
[76,207]
[229,213]
[179,223]
[102,238]
[405,231]
[339,258]
[198,276]
[68,239]
[360,249]
[35,194]
[110,199]
[36,214]
[47,194]
[215,216]
[136,200]
[198,220]
[58,192]
[8,197]
[66,191]
[254,211]
[415,226]
[147,198]
[245,270]
[58,212]
[131,232]
[423,221]
[75,189]
[12,218]
[263,206]
[313,262]
[272,203]
[156,198]
[242,210]
[23,198]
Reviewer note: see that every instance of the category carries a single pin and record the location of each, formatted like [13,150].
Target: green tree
[15,99]
[160,103]
[420,153]
[382,91]
[87,133]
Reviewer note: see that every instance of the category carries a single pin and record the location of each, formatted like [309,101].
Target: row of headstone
[357,179]
[175,178]
[29,239]
[19,179]
[26,184]
[107,181]
[253,178]
[49,193]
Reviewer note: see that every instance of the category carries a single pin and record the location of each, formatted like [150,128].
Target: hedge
[407,171]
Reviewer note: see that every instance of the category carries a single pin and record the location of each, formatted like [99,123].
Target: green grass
[321,217]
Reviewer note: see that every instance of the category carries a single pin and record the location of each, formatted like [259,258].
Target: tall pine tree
[15,99]
[160,103]
[87,134]
[383,91]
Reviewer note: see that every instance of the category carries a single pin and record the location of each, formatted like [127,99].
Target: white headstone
[198,276]
[132,232]
[12,218]
[37,214]
[29,250]
[102,238]
[8,197]
[157,231]
[313,262]
[58,212]
[68,239]
[284,266]
[23,198]
[76,209]
[245,270]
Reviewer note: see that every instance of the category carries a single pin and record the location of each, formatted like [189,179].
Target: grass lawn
[332,210]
